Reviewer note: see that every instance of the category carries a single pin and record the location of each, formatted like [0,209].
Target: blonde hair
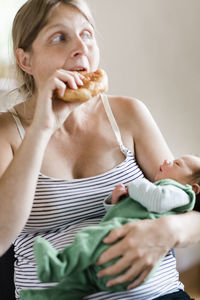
[28,22]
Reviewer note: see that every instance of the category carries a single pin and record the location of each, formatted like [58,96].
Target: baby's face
[180,169]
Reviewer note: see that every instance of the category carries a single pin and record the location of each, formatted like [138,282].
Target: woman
[64,158]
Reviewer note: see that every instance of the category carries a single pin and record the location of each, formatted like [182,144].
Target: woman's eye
[58,38]
[87,35]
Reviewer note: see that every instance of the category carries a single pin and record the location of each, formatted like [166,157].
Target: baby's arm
[157,198]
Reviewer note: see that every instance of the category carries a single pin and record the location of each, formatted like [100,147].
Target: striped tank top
[61,208]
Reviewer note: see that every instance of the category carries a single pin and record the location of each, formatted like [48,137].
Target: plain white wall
[151,51]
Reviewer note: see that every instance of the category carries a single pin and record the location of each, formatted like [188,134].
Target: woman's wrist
[170,229]
[37,134]
[37,140]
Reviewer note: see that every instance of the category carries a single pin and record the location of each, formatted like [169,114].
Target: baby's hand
[119,190]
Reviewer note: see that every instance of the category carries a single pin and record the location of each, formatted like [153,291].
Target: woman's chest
[60,203]
[82,157]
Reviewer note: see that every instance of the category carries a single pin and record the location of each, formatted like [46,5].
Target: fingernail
[130,287]
[109,284]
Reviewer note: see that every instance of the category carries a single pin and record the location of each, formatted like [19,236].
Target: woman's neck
[26,110]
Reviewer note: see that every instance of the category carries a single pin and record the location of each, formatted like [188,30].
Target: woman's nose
[80,48]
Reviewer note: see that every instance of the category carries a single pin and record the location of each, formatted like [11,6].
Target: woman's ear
[196,188]
[24,60]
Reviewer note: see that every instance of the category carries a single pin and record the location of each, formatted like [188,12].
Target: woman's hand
[141,246]
[49,112]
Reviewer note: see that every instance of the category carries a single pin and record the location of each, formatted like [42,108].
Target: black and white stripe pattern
[62,208]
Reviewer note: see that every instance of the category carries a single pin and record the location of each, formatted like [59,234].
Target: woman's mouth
[79,68]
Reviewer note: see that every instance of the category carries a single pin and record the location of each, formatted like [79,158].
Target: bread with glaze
[94,83]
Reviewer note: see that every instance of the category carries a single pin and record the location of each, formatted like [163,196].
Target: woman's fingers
[117,267]
[111,253]
[73,79]
[132,273]
[59,81]
[61,87]
[118,233]
[137,267]
[117,249]
[78,78]
[140,279]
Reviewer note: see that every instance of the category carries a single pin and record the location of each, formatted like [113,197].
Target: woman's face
[67,42]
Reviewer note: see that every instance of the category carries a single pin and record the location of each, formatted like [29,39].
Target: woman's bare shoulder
[8,130]
[127,107]
[126,102]
[9,140]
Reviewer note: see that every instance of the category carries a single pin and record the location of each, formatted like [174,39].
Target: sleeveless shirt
[61,208]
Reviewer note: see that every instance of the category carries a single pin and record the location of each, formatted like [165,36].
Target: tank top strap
[18,122]
[113,123]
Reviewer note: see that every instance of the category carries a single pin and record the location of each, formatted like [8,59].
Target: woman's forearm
[185,228]
[17,186]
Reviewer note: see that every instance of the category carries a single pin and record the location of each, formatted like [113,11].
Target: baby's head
[185,170]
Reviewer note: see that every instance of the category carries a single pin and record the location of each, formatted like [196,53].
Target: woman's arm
[142,244]
[187,228]
[18,178]
[134,120]
[19,174]
[150,147]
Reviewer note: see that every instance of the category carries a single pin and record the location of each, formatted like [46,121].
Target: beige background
[151,51]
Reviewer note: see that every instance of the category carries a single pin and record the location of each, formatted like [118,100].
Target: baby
[75,266]
[185,170]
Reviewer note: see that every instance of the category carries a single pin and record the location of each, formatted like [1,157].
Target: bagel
[94,83]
